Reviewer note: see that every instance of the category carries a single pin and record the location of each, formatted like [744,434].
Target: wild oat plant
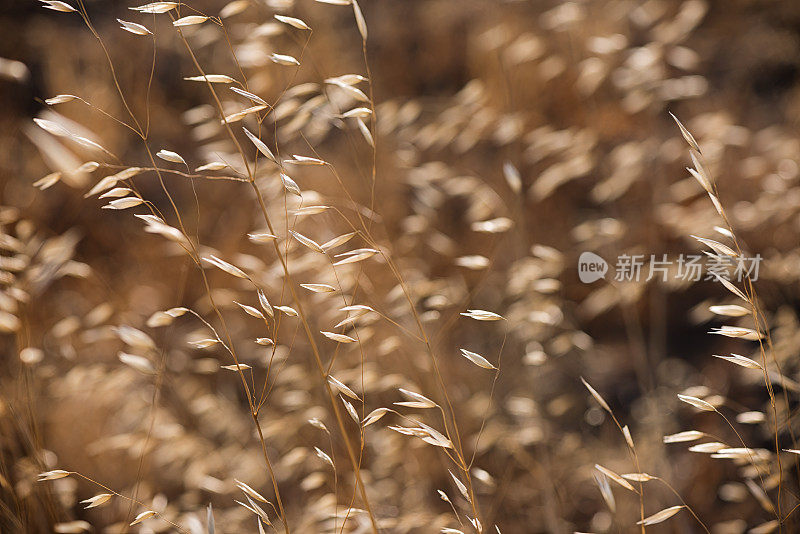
[268,298]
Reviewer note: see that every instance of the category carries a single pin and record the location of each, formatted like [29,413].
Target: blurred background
[511,136]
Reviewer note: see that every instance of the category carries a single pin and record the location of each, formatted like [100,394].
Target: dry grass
[310,267]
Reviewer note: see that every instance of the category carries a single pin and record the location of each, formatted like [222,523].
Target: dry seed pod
[615,477]
[460,485]
[293,22]
[418,400]
[225,266]
[319,288]
[688,137]
[374,416]
[638,477]
[305,160]
[288,310]
[140,363]
[156,7]
[235,117]
[134,28]
[247,94]
[731,310]
[53,475]
[340,338]
[141,517]
[324,456]
[213,166]
[482,315]
[233,8]
[190,20]
[688,435]
[661,516]
[170,156]
[236,367]
[600,400]
[342,388]
[360,22]
[260,145]
[282,59]
[249,491]
[56,5]
[60,99]
[249,310]
[697,403]
[97,500]
[477,359]
[740,360]
[290,185]
[306,241]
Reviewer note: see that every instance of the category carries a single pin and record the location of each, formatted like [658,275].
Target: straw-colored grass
[274,266]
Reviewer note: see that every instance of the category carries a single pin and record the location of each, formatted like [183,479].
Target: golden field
[320,266]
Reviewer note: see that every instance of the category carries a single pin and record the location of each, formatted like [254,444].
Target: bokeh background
[551,117]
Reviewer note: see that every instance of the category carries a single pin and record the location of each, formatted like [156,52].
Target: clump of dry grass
[311,303]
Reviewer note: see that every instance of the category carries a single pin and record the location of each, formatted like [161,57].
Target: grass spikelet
[600,400]
[156,7]
[283,59]
[293,22]
[615,477]
[225,266]
[134,28]
[477,359]
[697,403]
[97,500]
[147,514]
[342,388]
[661,516]
[191,20]
[260,145]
